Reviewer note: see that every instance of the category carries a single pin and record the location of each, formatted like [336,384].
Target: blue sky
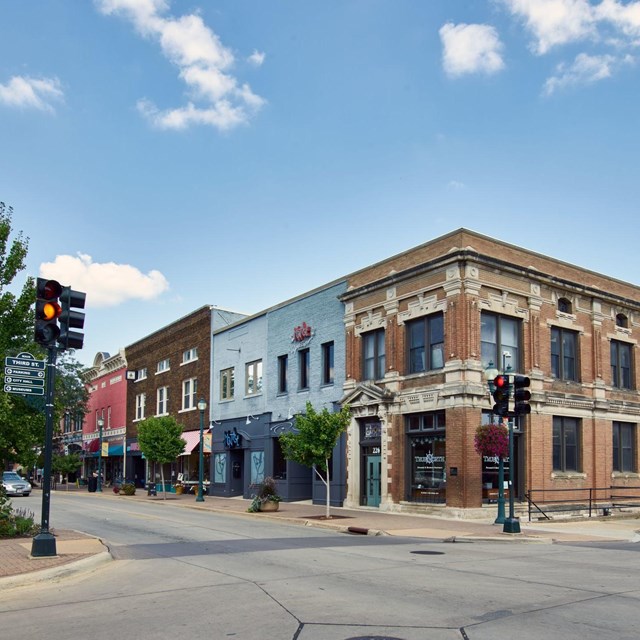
[162,155]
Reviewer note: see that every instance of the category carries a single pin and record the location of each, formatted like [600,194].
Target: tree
[160,440]
[66,465]
[21,419]
[313,441]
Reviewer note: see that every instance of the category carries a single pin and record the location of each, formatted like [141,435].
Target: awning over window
[115,449]
[193,440]
[92,446]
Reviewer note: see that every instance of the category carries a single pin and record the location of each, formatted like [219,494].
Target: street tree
[21,418]
[67,464]
[160,440]
[312,442]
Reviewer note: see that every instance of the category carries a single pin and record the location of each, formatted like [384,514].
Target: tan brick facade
[466,277]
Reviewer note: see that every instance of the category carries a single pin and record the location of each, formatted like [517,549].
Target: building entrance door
[236,483]
[372,480]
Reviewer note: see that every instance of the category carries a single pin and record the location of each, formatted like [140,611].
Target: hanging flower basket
[492,440]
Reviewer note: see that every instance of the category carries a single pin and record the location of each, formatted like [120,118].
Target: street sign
[24,375]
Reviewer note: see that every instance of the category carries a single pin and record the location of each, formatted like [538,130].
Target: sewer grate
[428,553]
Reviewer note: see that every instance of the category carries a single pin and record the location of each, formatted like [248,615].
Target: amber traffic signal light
[48,311]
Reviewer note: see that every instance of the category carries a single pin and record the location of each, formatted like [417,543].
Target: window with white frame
[162,404]
[163,365]
[189,390]
[141,374]
[253,378]
[189,355]
[227,384]
[141,400]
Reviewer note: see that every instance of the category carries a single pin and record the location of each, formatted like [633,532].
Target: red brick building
[107,384]
[422,328]
[170,372]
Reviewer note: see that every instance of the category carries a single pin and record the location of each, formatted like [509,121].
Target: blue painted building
[265,368]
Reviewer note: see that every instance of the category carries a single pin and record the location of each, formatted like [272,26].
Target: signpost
[24,375]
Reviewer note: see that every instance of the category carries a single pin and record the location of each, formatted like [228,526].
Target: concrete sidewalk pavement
[78,551]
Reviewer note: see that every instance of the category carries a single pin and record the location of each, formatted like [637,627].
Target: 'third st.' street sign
[24,375]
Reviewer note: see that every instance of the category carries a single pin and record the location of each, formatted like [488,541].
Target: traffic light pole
[44,543]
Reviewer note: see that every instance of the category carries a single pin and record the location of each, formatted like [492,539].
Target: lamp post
[100,425]
[490,374]
[202,405]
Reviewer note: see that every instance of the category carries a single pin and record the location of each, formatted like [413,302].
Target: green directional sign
[24,375]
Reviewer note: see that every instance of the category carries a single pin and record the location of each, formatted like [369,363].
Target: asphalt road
[182,573]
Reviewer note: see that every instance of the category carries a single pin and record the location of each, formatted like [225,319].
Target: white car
[14,485]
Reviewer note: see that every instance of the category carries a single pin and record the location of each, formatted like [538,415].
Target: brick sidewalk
[15,553]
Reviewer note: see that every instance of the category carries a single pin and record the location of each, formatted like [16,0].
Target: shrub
[128,488]
[265,491]
[24,523]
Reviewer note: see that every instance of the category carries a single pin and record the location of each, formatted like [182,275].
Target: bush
[265,491]
[14,523]
[128,488]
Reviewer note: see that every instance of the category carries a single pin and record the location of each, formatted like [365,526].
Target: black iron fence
[543,503]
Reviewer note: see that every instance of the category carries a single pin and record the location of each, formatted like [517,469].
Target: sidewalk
[78,551]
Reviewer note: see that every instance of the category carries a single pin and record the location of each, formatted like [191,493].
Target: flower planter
[269,505]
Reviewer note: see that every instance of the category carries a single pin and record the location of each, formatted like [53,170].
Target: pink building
[107,408]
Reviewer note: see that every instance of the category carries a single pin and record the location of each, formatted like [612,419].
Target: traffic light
[70,319]
[501,393]
[521,395]
[48,311]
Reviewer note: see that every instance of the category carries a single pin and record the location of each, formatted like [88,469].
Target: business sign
[24,375]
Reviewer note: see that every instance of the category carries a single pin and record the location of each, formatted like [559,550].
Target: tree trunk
[328,514]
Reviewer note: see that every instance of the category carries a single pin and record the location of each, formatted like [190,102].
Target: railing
[587,499]
[591,499]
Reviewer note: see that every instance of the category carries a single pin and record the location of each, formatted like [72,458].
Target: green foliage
[315,437]
[128,488]
[14,523]
[160,439]
[66,464]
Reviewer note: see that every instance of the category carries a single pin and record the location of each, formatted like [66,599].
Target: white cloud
[107,284]
[31,93]
[203,63]
[257,58]
[554,22]
[585,69]
[471,48]
[456,185]
[625,17]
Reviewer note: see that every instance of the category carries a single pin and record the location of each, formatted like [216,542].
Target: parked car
[14,485]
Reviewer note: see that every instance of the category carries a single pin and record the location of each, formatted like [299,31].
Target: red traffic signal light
[48,311]
[501,393]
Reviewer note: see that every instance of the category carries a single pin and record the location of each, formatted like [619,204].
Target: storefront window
[257,467]
[219,467]
[428,457]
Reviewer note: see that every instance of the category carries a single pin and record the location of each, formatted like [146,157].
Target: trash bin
[92,483]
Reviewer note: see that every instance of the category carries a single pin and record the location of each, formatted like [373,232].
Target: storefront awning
[115,449]
[92,446]
[193,440]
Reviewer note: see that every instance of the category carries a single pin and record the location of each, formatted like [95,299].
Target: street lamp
[100,425]
[202,405]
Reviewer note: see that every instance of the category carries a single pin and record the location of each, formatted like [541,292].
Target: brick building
[107,384]
[170,371]
[422,328]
